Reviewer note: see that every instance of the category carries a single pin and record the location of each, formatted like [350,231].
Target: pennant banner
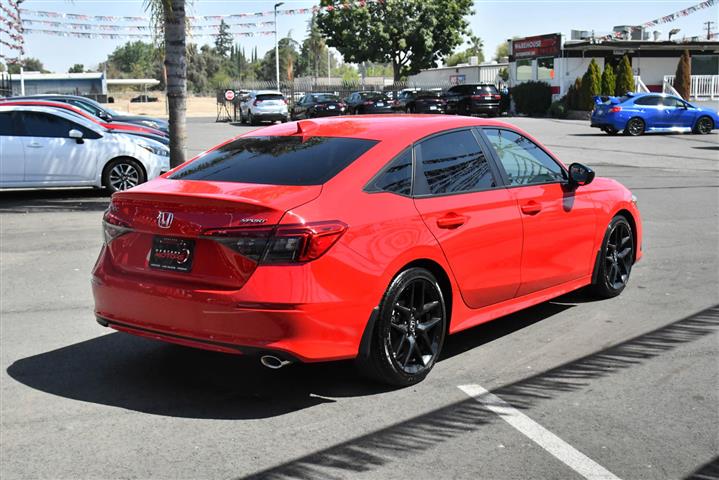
[288,11]
[125,36]
[91,26]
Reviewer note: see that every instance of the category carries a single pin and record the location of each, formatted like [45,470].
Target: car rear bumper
[307,323]
[270,116]
[484,107]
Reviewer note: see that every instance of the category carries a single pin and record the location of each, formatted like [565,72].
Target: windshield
[327,98]
[288,160]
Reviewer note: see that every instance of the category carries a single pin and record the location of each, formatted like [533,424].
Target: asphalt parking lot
[622,388]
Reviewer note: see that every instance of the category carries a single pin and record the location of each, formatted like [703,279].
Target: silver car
[264,105]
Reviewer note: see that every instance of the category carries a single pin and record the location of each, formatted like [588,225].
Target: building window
[524,70]
[705,64]
[545,69]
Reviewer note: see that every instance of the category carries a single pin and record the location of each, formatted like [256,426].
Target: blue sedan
[637,113]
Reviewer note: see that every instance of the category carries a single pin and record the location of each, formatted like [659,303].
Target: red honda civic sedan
[367,238]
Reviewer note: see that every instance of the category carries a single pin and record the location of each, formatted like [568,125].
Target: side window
[396,177]
[87,107]
[672,102]
[38,124]
[652,101]
[452,163]
[522,160]
[6,124]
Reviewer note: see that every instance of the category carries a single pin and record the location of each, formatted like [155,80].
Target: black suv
[473,98]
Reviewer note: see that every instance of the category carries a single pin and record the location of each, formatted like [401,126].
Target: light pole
[277,50]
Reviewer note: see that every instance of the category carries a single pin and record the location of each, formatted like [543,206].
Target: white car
[46,147]
[264,105]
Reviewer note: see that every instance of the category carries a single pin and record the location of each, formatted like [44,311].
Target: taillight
[256,102]
[284,100]
[615,109]
[368,102]
[476,97]
[283,244]
[113,226]
[497,97]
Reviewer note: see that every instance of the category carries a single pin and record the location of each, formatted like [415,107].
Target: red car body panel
[115,126]
[498,261]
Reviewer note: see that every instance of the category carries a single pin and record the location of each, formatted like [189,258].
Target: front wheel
[704,126]
[616,257]
[122,174]
[409,332]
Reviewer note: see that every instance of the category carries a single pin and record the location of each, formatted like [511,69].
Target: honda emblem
[164,219]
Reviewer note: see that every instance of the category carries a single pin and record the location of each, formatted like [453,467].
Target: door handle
[531,208]
[451,220]
[34,145]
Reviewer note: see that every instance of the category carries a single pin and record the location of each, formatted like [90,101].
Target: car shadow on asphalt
[424,432]
[54,200]
[138,374]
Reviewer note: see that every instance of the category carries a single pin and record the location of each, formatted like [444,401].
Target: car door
[559,223]
[678,113]
[12,156]
[51,156]
[474,219]
[650,109]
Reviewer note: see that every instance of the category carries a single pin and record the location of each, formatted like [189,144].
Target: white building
[550,59]
[445,76]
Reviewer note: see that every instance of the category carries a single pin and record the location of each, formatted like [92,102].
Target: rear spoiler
[600,99]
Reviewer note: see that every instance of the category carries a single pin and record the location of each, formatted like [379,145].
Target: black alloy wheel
[704,126]
[609,130]
[615,259]
[409,332]
[635,127]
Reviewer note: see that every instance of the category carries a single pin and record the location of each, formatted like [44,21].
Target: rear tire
[242,118]
[704,125]
[615,259]
[409,332]
[251,118]
[635,127]
[123,174]
[609,130]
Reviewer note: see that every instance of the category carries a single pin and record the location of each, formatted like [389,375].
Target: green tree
[77,68]
[625,77]
[223,41]
[608,80]
[29,64]
[474,50]
[134,60]
[683,76]
[501,51]
[409,34]
[170,19]
[289,55]
[347,73]
[312,61]
[591,85]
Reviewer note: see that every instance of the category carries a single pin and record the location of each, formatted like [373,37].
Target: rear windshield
[485,89]
[327,98]
[276,160]
[270,96]
[377,95]
[427,94]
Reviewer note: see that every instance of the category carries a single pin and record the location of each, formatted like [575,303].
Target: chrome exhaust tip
[272,362]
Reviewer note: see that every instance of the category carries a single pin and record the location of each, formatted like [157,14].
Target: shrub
[532,98]
[591,86]
[572,101]
[625,77]
[558,108]
[682,78]
[608,80]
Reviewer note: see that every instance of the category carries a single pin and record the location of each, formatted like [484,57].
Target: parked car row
[66,141]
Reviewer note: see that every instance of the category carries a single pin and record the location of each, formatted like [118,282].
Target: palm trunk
[176,65]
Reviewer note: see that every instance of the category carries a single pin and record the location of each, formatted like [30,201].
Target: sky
[493,20]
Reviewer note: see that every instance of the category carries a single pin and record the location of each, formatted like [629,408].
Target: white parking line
[563,451]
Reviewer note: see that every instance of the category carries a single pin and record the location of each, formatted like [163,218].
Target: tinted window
[372,95]
[276,160]
[6,124]
[452,163]
[395,177]
[270,96]
[672,102]
[427,94]
[523,161]
[327,98]
[486,89]
[648,101]
[85,106]
[37,124]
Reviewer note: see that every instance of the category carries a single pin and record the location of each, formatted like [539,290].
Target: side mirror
[76,134]
[580,175]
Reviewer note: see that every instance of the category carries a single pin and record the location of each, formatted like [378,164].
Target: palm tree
[169,18]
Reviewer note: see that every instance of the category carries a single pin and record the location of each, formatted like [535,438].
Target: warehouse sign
[539,46]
